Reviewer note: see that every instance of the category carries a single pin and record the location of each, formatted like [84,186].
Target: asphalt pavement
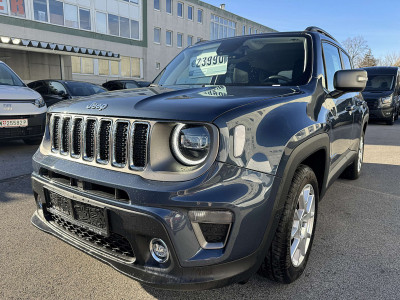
[355,253]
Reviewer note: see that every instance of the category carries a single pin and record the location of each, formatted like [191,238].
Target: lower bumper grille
[20,131]
[115,245]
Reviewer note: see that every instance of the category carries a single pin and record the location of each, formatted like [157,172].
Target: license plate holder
[13,123]
[87,216]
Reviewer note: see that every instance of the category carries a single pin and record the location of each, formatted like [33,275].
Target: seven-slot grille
[119,143]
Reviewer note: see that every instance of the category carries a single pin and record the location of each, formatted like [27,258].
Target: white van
[22,110]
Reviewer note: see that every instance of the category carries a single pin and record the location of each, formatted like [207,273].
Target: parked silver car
[22,110]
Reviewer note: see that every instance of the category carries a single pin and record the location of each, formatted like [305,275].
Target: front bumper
[160,210]
[35,128]
[381,114]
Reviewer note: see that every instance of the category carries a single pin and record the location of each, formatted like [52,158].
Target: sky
[377,21]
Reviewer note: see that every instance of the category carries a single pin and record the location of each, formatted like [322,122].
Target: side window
[131,85]
[42,89]
[346,61]
[56,88]
[332,63]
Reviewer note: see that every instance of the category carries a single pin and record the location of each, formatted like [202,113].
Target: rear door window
[332,64]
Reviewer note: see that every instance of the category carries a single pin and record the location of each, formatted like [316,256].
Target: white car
[22,110]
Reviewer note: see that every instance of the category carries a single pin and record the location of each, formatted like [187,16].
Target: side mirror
[347,81]
[63,95]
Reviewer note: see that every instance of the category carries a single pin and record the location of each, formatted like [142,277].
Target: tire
[33,141]
[278,264]
[353,171]
[391,120]
[396,115]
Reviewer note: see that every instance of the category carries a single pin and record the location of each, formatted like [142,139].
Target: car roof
[381,70]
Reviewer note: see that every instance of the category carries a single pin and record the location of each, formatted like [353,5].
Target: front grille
[121,143]
[76,138]
[90,134]
[56,133]
[372,103]
[65,135]
[20,131]
[104,136]
[139,145]
[115,244]
[115,142]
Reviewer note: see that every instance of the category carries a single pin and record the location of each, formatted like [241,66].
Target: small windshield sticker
[208,64]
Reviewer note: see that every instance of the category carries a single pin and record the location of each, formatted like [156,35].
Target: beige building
[100,40]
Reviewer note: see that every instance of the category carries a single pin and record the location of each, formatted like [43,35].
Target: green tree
[368,60]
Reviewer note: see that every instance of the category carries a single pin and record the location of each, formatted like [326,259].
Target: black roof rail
[319,30]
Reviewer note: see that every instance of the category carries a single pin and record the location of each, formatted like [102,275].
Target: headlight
[40,102]
[190,144]
[386,100]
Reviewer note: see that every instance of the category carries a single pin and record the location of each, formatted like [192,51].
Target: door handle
[351,108]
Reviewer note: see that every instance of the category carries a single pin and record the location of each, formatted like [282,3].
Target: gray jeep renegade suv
[212,173]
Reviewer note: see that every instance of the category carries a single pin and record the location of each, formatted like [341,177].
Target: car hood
[172,102]
[9,92]
[376,94]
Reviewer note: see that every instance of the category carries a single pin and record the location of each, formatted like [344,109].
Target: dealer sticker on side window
[208,64]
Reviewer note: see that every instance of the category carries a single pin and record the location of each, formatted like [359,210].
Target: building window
[157,34]
[124,27]
[190,40]
[101,22]
[180,9]
[190,13]
[250,30]
[135,67]
[114,68]
[104,67]
[157,4]
[255,31]
[199,16]
[40,10]
[158,66]
[84,19]
[179,40]
[168,6]
[199,39]
[125,66]
[244,30]
[56,12]
[134,29]
[221,28]
[87,65]
[71,15]
[113,24]
[168,38]
[17,8]
[76,64]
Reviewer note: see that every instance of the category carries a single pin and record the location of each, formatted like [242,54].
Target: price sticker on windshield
[208,64]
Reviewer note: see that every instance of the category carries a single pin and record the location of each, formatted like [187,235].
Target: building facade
[100,40]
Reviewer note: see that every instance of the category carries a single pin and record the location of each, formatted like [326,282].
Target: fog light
[159,250]
[211,227]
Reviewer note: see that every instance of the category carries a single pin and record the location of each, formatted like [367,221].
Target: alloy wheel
[303,224]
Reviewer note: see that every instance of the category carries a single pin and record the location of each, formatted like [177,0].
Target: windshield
[249,61]
[8,77]
[80,89]
[380,83]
